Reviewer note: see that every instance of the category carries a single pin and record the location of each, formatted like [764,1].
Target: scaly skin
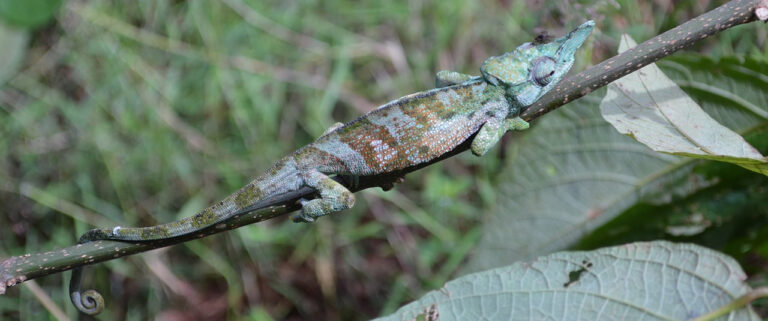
[402,133]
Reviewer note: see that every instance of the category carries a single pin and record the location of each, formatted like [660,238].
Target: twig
[21,268]
[726,16]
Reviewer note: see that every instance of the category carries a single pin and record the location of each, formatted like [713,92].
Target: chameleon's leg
[332,128]
[445,78]
[488,136]
[334,197]
[492,131]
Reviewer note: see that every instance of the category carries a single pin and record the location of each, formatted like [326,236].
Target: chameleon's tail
[282,177]
[210,216]
[253,196]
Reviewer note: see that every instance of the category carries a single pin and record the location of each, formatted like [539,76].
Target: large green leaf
[573,171]
[639,281]
[652,109]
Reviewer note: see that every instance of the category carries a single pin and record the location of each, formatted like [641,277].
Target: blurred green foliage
[135,113]
[28,13]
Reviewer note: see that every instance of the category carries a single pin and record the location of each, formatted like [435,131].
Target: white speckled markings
[350,157]
[639,281]
[396,122]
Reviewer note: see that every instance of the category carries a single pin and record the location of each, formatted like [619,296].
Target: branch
[18,269]
[723,17]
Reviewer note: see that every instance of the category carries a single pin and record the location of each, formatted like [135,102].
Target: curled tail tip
[89,302]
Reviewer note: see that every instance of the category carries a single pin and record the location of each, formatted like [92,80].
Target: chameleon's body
[406,132]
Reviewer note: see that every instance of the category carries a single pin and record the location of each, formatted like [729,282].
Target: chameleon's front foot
[492,131]
[445,78]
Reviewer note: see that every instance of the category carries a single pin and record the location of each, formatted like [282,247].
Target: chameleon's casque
[531,70]
[405,132]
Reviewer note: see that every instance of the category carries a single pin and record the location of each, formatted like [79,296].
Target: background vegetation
[123,113]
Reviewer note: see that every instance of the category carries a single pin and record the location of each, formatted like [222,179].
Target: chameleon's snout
[574,39]
[587,26]
[581,32]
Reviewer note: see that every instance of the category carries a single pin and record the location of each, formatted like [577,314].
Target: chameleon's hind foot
[334,197]
[312,209]
[302,216]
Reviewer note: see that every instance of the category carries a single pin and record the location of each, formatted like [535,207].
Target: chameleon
[405,132]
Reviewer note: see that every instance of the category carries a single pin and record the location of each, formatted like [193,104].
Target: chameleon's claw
[302,216]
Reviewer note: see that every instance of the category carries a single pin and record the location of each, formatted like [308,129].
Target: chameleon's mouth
[573,40]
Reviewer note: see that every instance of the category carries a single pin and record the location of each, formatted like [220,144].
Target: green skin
[406,132]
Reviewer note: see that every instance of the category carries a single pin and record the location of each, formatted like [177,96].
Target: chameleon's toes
[302,216]
[310,210]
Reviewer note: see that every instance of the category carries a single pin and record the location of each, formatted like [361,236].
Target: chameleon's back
[405,132]
[421,127]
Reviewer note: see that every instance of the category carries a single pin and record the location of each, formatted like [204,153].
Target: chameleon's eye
[543,70]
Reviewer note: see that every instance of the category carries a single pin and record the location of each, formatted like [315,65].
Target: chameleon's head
[533,69]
